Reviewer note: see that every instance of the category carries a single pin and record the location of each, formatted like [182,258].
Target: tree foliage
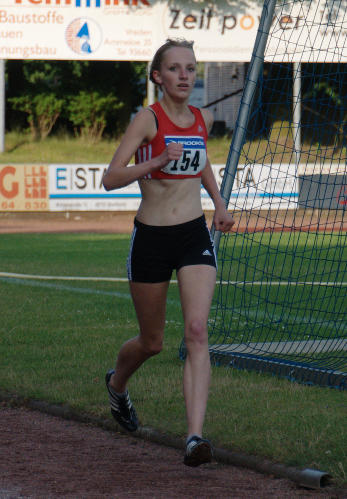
[88,112]
[42,95]
[43,110]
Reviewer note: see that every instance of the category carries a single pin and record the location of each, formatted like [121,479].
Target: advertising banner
[24,188]
[131,30]
[78,187]
[260,186]
[311,31]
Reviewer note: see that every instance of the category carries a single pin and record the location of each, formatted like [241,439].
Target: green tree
[88,112]
[63,81]
[43,110]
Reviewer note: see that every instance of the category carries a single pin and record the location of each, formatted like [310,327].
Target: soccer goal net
[281,305]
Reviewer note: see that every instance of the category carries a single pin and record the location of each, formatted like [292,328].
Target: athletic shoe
[198,451]
[121,407]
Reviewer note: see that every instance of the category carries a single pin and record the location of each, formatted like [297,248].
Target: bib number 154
[193,158]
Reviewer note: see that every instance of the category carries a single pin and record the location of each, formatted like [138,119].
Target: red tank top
[193,138]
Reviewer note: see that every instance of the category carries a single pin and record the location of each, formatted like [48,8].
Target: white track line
[283,283]
[62,287]
[21,279]
[24,278]
[124,279]
[62,278]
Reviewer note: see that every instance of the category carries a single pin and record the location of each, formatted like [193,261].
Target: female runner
[170,233]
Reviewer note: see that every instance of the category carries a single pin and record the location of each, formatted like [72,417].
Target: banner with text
[78,187]
[24,188]
[132,30]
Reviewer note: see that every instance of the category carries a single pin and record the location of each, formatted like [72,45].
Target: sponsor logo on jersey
[188,142]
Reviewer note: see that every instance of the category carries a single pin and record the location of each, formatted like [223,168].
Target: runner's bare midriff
[169,202]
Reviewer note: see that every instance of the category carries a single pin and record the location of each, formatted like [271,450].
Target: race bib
[193,158]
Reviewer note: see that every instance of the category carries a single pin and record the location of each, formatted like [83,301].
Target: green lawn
[272,306]
[62,148]
[58,338]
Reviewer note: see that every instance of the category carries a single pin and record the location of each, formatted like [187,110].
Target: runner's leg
[196,284]
[150,306]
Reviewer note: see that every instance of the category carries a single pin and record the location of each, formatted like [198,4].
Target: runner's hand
[223,220]
[172,152]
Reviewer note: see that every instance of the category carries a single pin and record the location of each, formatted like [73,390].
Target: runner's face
[177,72]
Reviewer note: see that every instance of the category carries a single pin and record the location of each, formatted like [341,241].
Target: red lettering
[47,2]
[8,193]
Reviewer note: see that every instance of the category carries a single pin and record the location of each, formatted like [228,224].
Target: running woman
[170,233]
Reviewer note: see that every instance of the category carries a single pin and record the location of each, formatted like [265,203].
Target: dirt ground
[104,222]
[43,456]
[122,222]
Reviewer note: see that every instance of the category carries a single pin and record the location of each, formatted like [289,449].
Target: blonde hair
[158,56]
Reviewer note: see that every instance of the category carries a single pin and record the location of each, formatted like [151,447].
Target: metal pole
[2,105]
[254,70]
[297,111]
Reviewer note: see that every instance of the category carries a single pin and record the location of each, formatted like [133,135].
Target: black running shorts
[155,251]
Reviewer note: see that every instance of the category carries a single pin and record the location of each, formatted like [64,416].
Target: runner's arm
[222,218]
[141,129]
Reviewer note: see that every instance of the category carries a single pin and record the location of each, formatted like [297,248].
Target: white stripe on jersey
[145,154]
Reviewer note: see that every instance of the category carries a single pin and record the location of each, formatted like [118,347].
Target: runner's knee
[196,333]
[152,346]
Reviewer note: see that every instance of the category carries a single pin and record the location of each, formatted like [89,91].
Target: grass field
[272,306]
[19,148]
[58,338]
[62,148]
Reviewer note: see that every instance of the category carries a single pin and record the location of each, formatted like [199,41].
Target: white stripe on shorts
[212,242]
[130,254]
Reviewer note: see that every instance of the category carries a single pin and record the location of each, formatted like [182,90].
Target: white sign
[257,186]
[132,30]
[79,188]
[311,31]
